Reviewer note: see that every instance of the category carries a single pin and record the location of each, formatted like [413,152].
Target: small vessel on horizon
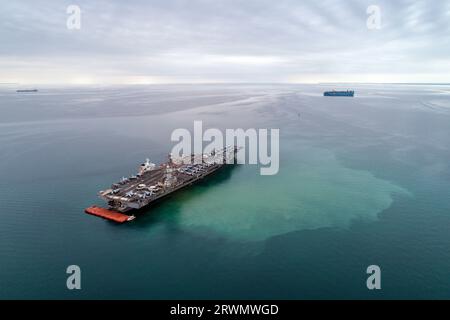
[334,93]
[26,90]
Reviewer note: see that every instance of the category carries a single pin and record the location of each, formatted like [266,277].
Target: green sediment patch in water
[312,190]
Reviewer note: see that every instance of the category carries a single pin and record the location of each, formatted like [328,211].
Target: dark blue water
[362,181]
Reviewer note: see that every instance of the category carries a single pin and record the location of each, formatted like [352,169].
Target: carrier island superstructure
[153,182]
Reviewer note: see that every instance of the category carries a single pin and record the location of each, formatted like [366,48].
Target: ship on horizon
[26,90]
[334,93]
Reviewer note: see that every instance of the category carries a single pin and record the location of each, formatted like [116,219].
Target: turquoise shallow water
[259,207]
[362,181]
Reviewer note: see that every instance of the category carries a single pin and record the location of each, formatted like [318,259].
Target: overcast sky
[196,41]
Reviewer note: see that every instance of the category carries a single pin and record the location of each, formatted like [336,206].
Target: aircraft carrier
[153,182]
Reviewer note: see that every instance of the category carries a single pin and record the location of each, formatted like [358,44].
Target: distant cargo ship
[26,90]
[348,93]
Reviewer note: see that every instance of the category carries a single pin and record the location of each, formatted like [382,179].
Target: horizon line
[224,83]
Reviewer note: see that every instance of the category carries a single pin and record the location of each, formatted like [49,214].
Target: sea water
[362,181]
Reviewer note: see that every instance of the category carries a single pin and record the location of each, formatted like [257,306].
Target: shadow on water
[167,209]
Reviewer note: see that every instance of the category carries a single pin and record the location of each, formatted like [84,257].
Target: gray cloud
[224,41]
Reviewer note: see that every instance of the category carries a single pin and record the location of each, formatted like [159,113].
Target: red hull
[107,214]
